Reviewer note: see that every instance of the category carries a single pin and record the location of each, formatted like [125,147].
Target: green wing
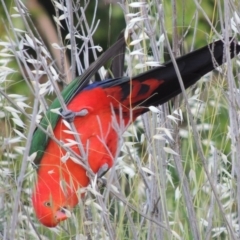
[49,121]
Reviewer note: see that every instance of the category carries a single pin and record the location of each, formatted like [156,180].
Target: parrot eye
[47,204]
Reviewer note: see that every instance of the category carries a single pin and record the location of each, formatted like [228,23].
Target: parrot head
[52,203]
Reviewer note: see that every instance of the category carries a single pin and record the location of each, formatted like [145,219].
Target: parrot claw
[69,115]
[102,170]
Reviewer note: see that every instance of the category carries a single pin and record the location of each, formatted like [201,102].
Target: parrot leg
[102,170]
[69,115]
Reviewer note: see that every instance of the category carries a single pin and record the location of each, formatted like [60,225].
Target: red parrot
[96,110]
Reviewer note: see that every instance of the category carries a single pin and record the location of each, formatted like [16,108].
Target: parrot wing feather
[40,138]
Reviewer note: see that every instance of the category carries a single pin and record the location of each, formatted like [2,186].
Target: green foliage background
[211,114]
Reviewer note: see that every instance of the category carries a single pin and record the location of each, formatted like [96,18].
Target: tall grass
[177,172]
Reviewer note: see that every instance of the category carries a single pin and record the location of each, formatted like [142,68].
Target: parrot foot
[69,115]
[102,170]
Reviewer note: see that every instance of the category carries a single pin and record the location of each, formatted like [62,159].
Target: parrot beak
[62,214]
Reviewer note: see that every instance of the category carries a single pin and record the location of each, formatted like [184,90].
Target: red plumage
[121,100]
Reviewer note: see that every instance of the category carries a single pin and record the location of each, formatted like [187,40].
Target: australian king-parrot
[100,112]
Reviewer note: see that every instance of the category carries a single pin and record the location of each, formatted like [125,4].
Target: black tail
[191,66]
[160,84]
